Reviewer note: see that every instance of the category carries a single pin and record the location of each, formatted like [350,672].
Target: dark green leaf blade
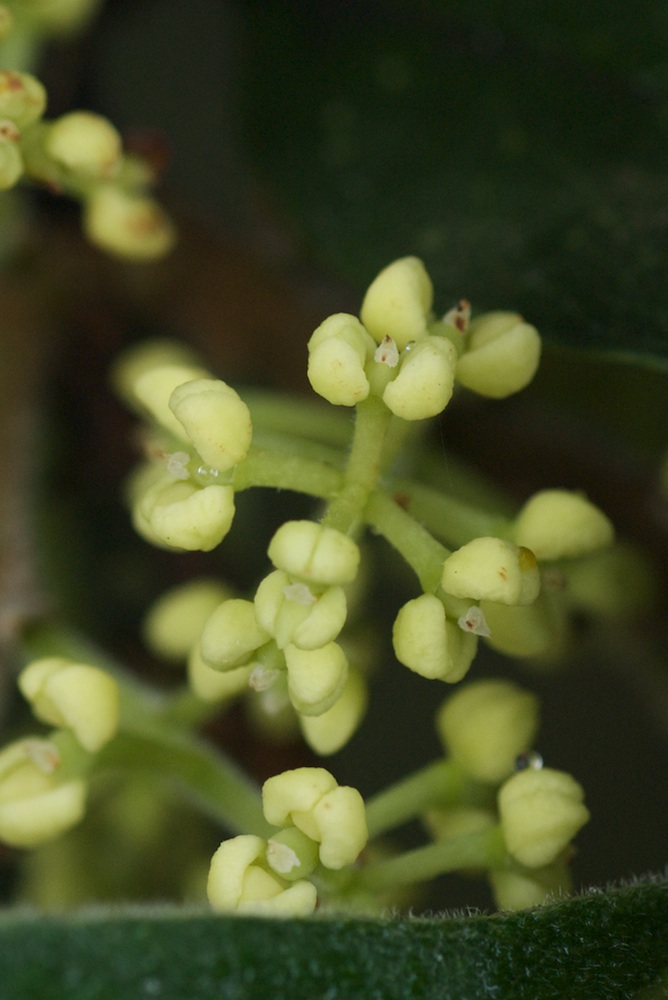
[608,945]
[527,172]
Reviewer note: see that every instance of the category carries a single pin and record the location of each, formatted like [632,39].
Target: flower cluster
[43,780]
[320,823]
[284,641]
[79,154]
[181,497]
[489,804]
[398,350]
[488,728]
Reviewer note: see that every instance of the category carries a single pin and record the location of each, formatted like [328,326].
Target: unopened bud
[540,811]
[240,881]
[316,677]
[429,644]
[492,569]
[485,725]
[558,524]
[231,635]
[215,419]
[85,143]
[398,302]
[35,805]
[502,355]
[79,696]
[337,354]
[327,733]
[22,98]
[175,620]
[424,384]
[132,226]
[315,553]
[177,514]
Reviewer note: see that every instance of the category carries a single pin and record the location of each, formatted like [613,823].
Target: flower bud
[215,419]
[502,356]
[328,732]
[398,302]
[22,98]
[617,582]
[424,384]
[35,804]
[316,677]
[293,614]
[337,354]
[288,796]
[333,815]
[215,685]
[538,630]
[149,356]
[153,388]
[520,889]
[237,883]
[540,811]
[131,226]
[339,826]
[485,725]
[231,635]
[492,569]
[428,643]
[85,143]
[180,515]
[314,553]
[59,16]
[558,524]
[175,620]
[77,696]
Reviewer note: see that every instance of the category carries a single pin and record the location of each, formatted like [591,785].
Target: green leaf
[610,945]
[519,150]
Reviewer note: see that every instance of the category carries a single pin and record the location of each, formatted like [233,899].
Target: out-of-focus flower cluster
[43,779]
[80,154]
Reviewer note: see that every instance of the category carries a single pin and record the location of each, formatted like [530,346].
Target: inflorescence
[292,648]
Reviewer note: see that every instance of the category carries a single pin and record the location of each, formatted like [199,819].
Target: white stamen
[474,621]
[262,678]
[387,353]
[281,858]
[44,755]
[177,464]
[300,593]
[459,316]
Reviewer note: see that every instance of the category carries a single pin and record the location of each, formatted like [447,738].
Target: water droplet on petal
[529,760]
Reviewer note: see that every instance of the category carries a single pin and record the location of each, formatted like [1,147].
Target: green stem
[20,50]
[451,519]
[297,417]
[439,783]
[482,849]
[152,736]
[283,471]
[421,551]
[364,465]
[200,773]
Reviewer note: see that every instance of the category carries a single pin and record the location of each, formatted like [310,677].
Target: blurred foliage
[519,150]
